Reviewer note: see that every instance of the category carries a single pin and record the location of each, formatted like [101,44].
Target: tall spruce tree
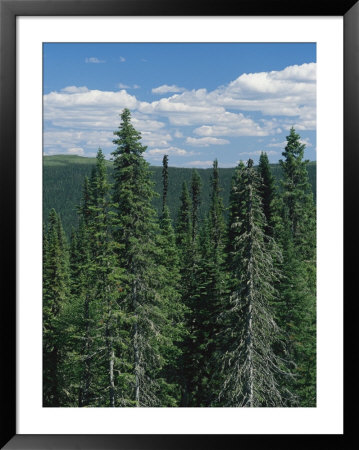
[250,368]
[187,244]
[169,257]
[298,197]
[297,235]
[210,279]
[139,253]
[95,316]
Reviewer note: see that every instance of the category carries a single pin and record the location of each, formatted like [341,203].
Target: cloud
[94,60]
[165,89]
[123,86]
[206,141]
[178,134]
[254,104]
[171,151]
[234,124]
[62,140]
[289,92]
[75,89]
[126,86]
[122,59]
[76,151]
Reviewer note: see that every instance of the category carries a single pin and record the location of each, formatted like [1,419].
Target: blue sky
[194,102]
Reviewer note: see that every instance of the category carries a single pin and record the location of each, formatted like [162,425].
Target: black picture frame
[9,10]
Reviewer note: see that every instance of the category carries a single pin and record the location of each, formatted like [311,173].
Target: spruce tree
[139,253]
[251,370]
[210,280]
[297,235]
[297,196]
[95,317]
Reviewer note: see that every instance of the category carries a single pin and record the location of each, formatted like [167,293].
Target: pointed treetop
[294,145]
[128,137]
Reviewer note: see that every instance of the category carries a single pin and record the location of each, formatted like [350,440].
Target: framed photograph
[174,179]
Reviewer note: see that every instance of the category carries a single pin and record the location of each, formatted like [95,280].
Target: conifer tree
[187,244]
[95,316]
[251,370]
[268,192]
[139,253]
[297,196]
[234,217]
[210,280]
[296,234]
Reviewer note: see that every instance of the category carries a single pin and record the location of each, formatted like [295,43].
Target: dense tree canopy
[182,306]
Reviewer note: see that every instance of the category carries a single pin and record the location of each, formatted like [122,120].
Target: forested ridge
[199,307]
[63,178]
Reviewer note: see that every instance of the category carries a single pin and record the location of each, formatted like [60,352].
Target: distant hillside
[63,177]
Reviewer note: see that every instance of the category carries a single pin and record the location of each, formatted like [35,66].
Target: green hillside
[63,177]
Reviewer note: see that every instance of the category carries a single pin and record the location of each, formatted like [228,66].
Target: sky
[193,102]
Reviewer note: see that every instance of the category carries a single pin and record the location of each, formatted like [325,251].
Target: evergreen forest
[206,300]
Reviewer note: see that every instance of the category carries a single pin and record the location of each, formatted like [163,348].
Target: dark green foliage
[63,179]
[196,202]
[55,296]
[297,234]
[297,196]
[210,279]
[165,180]
[251,370]
[147,300]
[267,192]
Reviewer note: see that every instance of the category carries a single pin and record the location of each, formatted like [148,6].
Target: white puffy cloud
[91,109]
[289,92]
[65,139]
[77,117]
[206,141]
[234,124]
[165,89]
